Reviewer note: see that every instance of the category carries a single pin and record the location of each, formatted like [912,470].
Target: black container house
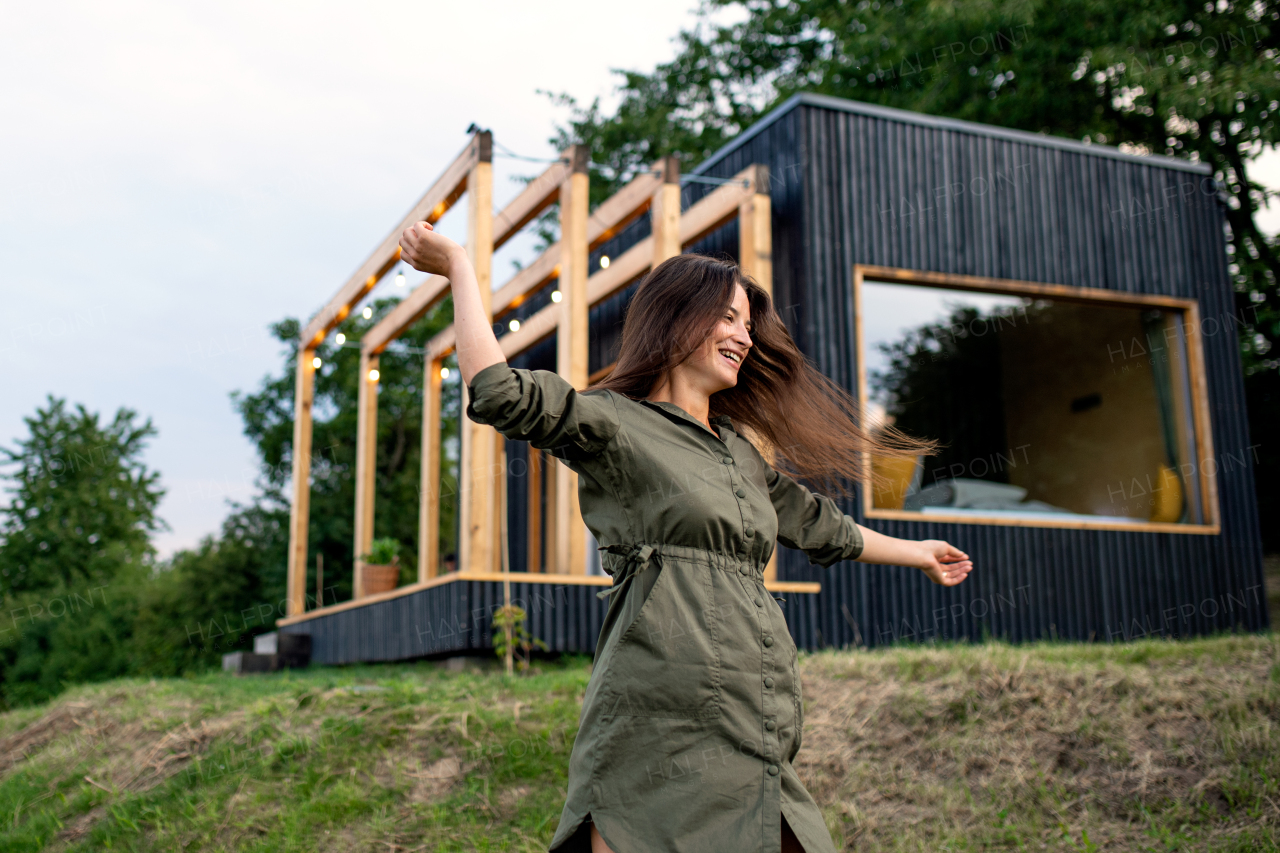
[1057,315]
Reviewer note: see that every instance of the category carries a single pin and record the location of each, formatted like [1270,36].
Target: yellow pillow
[891,479]
[1166,503]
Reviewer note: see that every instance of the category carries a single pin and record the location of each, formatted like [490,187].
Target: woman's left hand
[945,564]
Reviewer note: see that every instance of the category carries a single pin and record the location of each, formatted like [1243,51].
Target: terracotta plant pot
[380,578]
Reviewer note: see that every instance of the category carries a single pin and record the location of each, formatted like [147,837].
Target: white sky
[176,176]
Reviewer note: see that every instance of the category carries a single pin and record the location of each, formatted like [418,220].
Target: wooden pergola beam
[535,198]
[540,194]
[366,464]
[571,350]
[476,474]
[609,217]
[429,486]
[299,508]
[716,209]
[755,257]
[447,189]
[665,213]
[411,309]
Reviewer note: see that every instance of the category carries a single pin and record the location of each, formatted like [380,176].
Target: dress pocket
[667,661]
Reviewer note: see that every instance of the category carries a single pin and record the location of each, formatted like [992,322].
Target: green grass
[1153,745]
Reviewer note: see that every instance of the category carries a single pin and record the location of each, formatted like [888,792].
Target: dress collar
[674,411]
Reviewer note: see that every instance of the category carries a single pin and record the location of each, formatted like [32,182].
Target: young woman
[692,716]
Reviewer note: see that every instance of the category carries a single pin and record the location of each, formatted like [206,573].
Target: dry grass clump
[1152,746]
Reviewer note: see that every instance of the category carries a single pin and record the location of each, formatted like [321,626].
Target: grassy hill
[1149,746]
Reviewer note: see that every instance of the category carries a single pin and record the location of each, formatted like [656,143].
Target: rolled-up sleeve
[540,407]
[812,523]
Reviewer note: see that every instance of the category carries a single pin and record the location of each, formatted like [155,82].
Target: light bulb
[373,375]
[444,373]
[367,313]
[316,362]
[400,279]
[604,262]
[341,339]
[514,325]
[555,296]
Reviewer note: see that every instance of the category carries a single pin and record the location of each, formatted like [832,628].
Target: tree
[1193,79]
[84,504]
[76,549]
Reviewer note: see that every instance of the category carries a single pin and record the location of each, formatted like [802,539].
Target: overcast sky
[178,176]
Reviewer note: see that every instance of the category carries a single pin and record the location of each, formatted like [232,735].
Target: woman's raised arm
[429,252]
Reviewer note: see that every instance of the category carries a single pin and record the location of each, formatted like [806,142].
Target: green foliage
[75,551]
[511,636]
[83,502]
[215,598]
[383,551]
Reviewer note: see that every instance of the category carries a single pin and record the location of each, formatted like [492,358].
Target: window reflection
[1045,408]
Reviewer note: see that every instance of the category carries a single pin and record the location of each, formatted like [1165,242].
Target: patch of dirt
[69,717]
[436,779]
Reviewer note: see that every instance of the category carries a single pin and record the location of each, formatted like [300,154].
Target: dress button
[773,770]
[768,682]
[744,570]
[751,531]
[768,641]
[769,726]
[727,461]
[759,603]
[740,493]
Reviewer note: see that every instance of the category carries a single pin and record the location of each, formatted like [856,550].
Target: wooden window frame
[1199,402]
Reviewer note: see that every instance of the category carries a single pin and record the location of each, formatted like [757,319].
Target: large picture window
[1052,405]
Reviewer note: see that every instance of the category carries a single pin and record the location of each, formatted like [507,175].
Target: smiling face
[714,366]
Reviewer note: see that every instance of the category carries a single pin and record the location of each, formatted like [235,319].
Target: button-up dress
[692,715]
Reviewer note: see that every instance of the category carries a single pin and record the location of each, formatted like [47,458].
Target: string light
[604,262]
[316,362]
[514,325]
[341,339]
[556,296]
[444,373]
[367,313]
[373,375]
[400,279]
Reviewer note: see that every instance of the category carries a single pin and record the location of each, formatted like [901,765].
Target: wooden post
[665,212]
[533,559]
[300,508]
[571,350]
[755,232]
[429,487]
[366,463]
[755,256]
[477,504]
[319,581]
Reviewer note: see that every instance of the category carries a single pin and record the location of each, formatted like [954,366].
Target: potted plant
[382,566]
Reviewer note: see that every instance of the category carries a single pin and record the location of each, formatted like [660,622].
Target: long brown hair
[813,428]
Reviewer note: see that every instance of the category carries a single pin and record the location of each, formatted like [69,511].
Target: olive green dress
[692,715]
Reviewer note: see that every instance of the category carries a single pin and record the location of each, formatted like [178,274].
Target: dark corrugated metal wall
[454,619]
[893,193]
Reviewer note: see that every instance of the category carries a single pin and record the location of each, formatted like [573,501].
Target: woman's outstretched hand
[426,251]
[945,564]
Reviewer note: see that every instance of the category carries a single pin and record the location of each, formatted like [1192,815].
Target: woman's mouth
[732,357]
